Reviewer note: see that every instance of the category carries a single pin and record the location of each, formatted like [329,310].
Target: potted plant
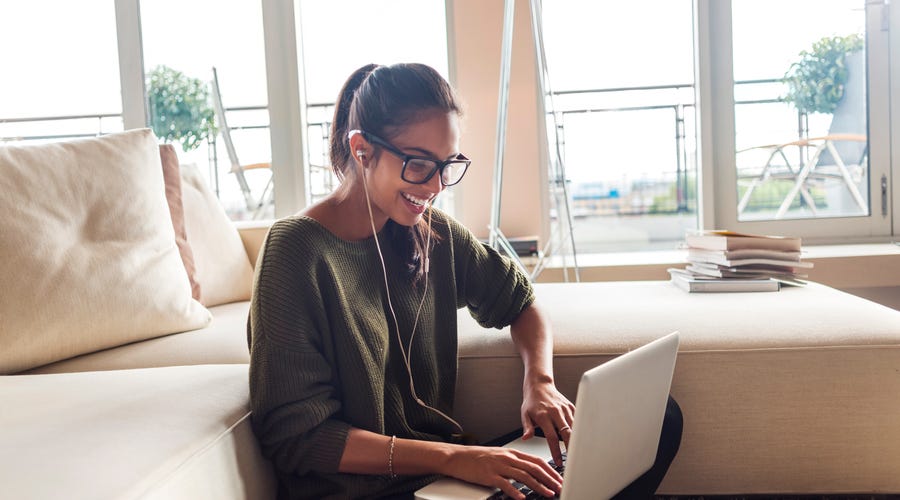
[816,82]
[179,108]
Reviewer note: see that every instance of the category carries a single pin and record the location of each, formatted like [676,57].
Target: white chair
[839,155]
[256,205]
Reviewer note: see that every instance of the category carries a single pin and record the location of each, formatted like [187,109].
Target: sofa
[783,393]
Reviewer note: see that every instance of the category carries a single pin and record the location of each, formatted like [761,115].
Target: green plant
[180,109]
[816,81]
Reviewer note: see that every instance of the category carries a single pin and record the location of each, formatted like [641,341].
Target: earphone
[405,351]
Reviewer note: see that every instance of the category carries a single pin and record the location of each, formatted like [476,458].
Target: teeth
[414,200]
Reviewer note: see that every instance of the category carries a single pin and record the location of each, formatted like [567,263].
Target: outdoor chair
[840,155]
[256,205]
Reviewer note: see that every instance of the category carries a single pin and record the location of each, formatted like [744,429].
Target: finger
[566,433]
[537,474]
[542,471]
[529,479]
[527,427]
[506,487]
[553,435]
[555,451]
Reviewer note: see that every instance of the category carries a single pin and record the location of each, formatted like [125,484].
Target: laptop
[619,413]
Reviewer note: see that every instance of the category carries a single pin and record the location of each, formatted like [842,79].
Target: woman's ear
[360,148]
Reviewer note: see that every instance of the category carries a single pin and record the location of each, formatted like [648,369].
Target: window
[651,150]
[180,52]
[806,157]
[782,169]
[625,106]
[52,90]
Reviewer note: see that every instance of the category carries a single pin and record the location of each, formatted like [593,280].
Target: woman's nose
[434,184]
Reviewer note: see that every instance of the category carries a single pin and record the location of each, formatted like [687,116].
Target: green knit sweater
[324,354]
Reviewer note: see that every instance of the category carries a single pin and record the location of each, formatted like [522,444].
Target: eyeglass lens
[418,170]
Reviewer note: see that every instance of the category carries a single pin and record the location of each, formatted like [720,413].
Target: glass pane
[52,90]
[407,31]
[624,120]
[182,41]
[800,109]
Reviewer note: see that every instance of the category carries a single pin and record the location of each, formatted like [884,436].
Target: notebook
[618,419]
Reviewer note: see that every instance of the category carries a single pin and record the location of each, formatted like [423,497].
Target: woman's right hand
[494,467]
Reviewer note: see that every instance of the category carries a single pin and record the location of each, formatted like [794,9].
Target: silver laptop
[618,419]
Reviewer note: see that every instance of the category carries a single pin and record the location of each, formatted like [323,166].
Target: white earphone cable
[403,350]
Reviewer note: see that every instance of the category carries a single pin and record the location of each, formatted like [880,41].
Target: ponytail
[339,146]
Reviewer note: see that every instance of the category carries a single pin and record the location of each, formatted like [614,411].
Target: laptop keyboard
[529,493]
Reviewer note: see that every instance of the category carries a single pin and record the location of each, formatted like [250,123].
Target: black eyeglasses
[420,169]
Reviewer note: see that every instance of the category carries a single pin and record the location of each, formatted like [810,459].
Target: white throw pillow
[223,268]
[88,258]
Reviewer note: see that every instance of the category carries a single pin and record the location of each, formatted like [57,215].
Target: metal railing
[684,168]
[322,181]
[98,130]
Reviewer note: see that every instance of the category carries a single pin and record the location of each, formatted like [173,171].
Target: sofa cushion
[167,433]
[172,178]
[89,254]
[223,268]
[224,341]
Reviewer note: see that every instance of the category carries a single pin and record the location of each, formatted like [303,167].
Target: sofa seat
[796,391]
[157,433]
[223,341]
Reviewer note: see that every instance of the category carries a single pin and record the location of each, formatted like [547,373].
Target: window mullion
[287,114]
[131,64]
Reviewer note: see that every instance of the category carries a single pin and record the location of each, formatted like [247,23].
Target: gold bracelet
[391,458]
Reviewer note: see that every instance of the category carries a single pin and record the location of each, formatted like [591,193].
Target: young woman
[353,318]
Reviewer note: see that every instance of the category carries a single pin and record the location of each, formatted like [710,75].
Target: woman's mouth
[414,200]
[415,204]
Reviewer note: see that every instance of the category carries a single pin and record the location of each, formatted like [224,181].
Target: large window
[793,98]
[799,117]
[625,107]
[180,52]
[670,114]
[60,80]
[800,109]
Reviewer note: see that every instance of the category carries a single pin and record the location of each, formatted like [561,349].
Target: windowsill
[841,266]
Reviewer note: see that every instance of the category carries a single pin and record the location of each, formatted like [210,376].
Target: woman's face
[435,136]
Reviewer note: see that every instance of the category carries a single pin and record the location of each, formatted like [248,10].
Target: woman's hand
[494,467]
[545,407]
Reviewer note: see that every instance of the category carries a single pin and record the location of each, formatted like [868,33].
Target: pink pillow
[172,178]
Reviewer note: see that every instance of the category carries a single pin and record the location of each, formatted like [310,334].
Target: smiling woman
[372,312]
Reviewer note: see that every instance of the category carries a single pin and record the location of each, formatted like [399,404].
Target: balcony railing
[647,195]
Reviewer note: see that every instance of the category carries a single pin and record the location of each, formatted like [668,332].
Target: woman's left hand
[545,407]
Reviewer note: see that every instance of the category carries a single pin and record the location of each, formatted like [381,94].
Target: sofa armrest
[253,234]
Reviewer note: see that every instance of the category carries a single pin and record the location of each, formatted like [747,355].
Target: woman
[353,318]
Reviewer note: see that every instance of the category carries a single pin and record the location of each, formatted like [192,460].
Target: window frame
[719,163]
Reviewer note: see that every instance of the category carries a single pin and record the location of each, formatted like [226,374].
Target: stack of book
[736,262]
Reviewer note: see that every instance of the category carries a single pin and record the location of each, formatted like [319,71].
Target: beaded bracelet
[391,458]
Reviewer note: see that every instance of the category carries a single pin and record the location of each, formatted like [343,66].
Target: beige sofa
[789,392]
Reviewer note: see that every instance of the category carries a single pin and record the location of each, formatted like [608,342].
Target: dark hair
[382,100]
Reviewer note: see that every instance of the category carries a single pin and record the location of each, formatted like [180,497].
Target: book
[751,262]
[689,283]
[783,278]
[746,253]
[729,240]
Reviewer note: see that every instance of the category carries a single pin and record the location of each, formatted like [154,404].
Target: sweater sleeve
[492,286]
[292,394]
